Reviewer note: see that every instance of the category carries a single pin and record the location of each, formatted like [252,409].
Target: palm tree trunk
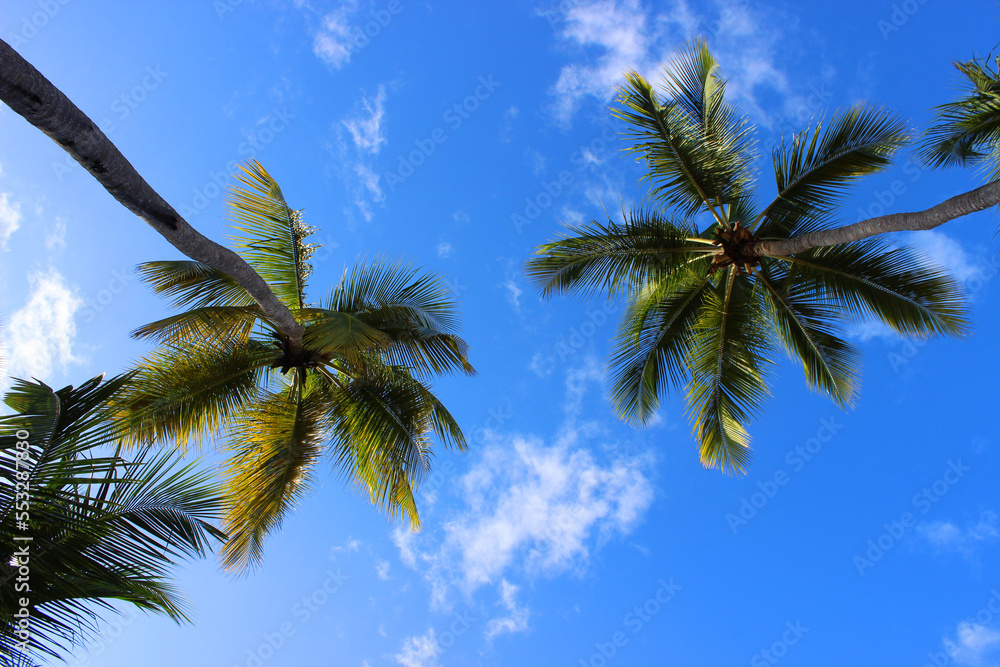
[28,93]
[977,200]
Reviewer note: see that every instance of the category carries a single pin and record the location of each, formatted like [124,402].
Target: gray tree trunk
[31,95]
[977,200]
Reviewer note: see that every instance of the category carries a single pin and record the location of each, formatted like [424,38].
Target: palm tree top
[707,307]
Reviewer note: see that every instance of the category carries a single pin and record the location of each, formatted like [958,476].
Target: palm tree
[355,391]
[967,132]
[101,527]
[707,303]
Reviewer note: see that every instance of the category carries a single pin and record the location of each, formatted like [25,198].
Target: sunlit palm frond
[813,171]
[728,367]
[274,445]
[205,324]
[190,283]
[186,392]
[274,237]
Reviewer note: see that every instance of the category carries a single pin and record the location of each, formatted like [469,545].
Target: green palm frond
[806,326]
[728,366]
[897,287]
[208,323]
[654,343]
[698,150]
[967,131]
[415,311]
[274,445]
[273,240]
[813,172]
[185,392]
[102,527]
[190,283]
[613,258]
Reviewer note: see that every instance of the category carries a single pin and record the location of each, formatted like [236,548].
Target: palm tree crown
[705,309]
[356,391]
[99,525]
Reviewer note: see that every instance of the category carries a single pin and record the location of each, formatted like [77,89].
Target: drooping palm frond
[867,280]
[698,150]
[613,258]
[274,237]
[186,392]
[102,527]
[967,131]
[274,444]
[729,362]
[814,171]
[207,323]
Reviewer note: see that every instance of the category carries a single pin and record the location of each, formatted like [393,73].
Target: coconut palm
[708,301]
[356,392]
[967,132]
[88,524]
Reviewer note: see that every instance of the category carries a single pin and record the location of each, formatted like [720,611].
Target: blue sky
[459,136]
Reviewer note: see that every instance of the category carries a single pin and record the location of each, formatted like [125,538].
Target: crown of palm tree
[705,309]
[101,526]
[356,391]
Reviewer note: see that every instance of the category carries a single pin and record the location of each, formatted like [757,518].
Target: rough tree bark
[977,200]
[32,96]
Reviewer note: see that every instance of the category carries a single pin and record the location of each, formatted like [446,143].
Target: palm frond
[728,366]
[274,445]
[273,240]
[895,286]
[813,171]
[190,283]
[614,258]
[204,324]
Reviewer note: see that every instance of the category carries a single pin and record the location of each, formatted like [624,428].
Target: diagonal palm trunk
[979,199]
[38,101]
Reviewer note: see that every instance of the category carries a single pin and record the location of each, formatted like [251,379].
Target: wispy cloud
[516,619]
[947,253]
[973,644]
[10,218]
[513,292]
[946,536]
[532,507]
[366,125]
[360,137]
[333,42]
[41,334]
[444,249]
[421,651]
[382,569]
[56,237]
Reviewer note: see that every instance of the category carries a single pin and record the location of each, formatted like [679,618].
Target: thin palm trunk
[38,101]
[979,199]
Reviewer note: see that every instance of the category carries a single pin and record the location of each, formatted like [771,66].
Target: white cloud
[516,619]
[350,546]
[513,292]
[946,536]
[460,217]
[444,249]
[41,334]
[10,218]
[366,126]
[382,569]
[947,253]
[612,36]
[333,43]
[57,237]
[420,651]
[973,643]
[531,507]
